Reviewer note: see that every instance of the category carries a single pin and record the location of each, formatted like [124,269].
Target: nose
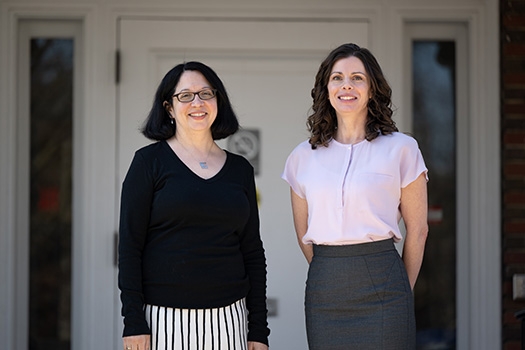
[196,101]
[347,84]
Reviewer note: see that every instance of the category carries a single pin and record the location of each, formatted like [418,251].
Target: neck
[350,131]
[199,142]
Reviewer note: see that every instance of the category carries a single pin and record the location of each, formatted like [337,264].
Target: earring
[171,121]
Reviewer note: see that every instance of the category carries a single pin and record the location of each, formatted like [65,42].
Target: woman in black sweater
[192,269]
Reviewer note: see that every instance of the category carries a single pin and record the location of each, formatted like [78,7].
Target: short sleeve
[291,170]
[412,163]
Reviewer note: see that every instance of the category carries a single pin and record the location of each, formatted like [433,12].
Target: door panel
[49,84]
[268,68]
[439,111]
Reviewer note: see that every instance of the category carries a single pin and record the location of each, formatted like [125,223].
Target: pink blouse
[353,191]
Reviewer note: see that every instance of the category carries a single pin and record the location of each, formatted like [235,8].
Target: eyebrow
[188,90]
[337,72]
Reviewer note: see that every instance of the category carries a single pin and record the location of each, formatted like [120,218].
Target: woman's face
[349,87]
[199,114]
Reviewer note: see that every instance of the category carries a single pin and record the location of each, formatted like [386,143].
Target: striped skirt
[223,328]
[359,297]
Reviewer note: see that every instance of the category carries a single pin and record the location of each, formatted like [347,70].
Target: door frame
[456,32]
[479,299]
[92,316]
[28,29]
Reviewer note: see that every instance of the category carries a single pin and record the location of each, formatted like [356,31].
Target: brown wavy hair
[322,123]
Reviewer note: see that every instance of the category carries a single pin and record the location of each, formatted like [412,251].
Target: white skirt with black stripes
[223,328]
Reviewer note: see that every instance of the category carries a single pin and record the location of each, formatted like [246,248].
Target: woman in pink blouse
[351,183]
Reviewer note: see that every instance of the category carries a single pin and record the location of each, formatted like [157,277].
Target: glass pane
[50,214]
[434,122]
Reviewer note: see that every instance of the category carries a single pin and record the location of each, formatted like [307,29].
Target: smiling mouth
[197,114]
[347,98]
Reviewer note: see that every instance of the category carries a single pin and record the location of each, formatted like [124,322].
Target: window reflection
[51,120]
[434,126]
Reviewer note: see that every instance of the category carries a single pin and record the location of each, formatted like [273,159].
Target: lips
[197,114]
[347,98]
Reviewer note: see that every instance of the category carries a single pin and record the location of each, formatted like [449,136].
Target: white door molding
[93,181]
[479,299]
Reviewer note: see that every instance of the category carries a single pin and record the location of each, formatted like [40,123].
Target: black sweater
[187,242]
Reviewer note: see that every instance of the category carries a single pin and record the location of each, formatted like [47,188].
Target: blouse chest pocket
[373,191]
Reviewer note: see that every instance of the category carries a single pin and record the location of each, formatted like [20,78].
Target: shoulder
[152,148]
[238,168]
[396,139]
[238,161]
[150,157]
[298,153]
[156,151]
[397,145]
[302,149]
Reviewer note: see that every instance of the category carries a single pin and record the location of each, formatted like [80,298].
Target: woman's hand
[252,345]
[137,342]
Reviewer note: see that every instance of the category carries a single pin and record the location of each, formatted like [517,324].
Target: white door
[268,68]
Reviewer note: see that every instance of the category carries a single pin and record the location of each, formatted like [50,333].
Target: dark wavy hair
[322,123]
[158,126]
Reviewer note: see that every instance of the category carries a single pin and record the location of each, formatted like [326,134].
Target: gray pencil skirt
[359,297]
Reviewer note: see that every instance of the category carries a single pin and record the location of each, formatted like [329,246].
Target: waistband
[339,251]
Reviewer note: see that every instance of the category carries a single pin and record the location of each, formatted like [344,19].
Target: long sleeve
[136,199]
[255,264]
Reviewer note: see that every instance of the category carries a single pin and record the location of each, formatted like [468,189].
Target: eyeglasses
[188,96]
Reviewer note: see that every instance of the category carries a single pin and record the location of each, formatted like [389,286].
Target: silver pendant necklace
[203,164]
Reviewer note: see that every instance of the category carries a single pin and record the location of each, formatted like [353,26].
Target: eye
[207,94]
[336,78]
[357,78]
[185,95]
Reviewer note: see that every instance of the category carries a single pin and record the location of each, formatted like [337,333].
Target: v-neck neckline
[213,177]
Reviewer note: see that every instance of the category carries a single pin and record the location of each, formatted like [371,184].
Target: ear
[167,107]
